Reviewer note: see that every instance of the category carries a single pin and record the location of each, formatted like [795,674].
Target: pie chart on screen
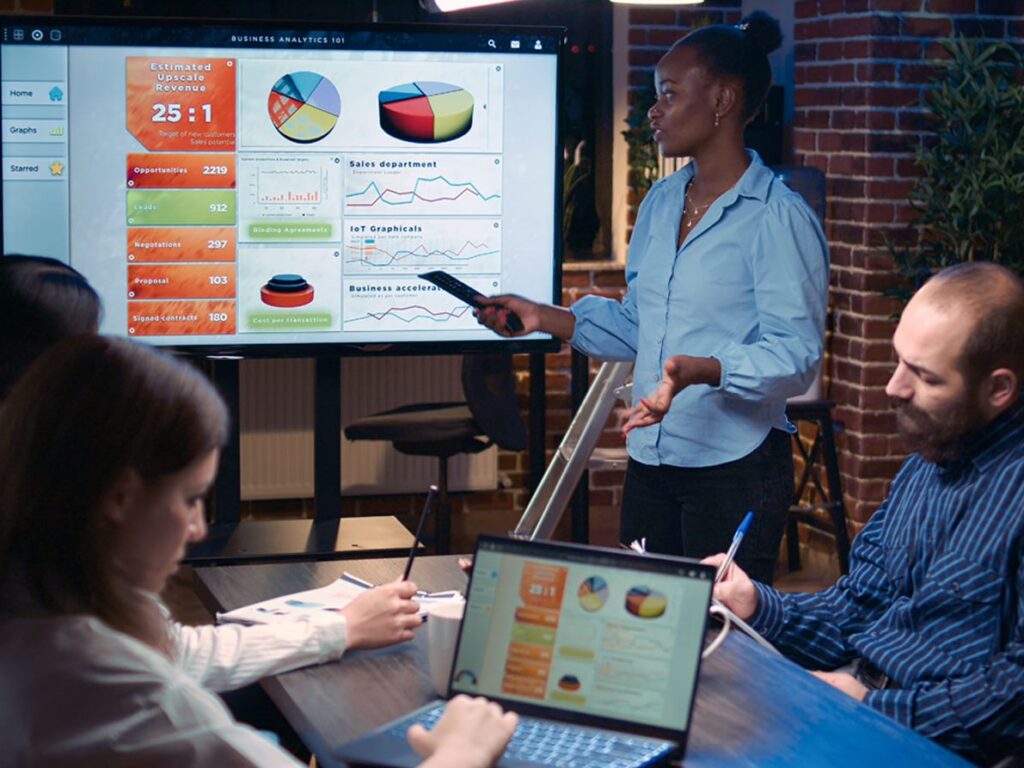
[593,593]
[304,106]
[426,112]
[646,603]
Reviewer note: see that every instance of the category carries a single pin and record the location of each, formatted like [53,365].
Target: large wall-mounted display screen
[272,190]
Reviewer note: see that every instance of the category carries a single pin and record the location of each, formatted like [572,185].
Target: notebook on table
[597,650]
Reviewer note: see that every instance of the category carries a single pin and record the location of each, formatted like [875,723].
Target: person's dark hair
[42,301]
[993,296]
[88,410]
[739,53]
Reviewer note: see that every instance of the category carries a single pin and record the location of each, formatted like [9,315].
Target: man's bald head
[991,299]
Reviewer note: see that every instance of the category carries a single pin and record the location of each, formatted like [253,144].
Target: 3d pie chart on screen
[646,603]
[593,593]
[286,291]
[426,112]
[304,106]
[569,683]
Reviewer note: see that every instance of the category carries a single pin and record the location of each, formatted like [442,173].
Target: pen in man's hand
[737,539]
[419,531]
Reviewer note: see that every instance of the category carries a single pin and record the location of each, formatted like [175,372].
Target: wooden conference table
[753,708]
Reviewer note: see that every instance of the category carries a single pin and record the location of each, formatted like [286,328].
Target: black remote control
[466,293]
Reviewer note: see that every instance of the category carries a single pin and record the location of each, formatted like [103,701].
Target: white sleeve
[221,744]
[222,658]
[100,698]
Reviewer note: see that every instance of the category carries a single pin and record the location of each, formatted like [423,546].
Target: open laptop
[597,650]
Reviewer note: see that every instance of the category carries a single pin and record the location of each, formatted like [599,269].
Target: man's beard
[938,435]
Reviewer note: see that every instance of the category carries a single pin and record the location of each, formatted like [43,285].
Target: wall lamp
[445,6]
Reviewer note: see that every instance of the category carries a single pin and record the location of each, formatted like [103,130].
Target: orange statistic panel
[180,318]
[159,244]
[528,663]
[541,617]
[542,585]
[176,171]
[181,281]
[529,652]
[182,103]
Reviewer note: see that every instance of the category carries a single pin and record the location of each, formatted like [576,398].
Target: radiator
[276,420]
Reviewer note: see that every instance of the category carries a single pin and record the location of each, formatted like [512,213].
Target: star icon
[56,168]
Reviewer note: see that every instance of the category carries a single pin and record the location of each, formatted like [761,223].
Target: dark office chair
[489,416]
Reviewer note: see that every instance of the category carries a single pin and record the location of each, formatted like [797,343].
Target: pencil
[419,531]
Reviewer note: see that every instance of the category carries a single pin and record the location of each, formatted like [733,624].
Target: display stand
[538,418]
[327,536]
[580,505]
[569,463]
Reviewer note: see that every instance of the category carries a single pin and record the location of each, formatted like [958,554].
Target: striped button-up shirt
[934,598]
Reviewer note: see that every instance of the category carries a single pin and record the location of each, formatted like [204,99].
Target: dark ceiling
[567,13]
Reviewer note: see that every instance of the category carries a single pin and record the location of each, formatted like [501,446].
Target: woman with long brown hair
[107,452]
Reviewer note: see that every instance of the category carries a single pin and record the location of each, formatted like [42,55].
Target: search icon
[492,44]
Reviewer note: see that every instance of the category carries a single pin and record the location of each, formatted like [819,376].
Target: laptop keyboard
[545,742]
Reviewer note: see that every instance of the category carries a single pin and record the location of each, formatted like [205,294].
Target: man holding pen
[928,627]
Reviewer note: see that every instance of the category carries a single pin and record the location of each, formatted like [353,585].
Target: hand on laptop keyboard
[472,733]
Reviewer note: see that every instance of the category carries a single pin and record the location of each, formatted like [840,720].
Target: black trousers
[694,511]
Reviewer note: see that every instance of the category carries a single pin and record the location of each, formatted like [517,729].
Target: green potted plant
[642,156]
[970,195]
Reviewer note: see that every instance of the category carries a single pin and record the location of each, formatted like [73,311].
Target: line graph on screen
[449,185]
[406,304]
[415,245]
[414,313]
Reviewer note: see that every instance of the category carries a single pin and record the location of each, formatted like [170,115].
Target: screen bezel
[236,350]
[621,558]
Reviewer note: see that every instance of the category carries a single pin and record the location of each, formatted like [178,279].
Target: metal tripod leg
[549,501]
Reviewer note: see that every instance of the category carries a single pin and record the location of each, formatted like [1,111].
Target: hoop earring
[716,119]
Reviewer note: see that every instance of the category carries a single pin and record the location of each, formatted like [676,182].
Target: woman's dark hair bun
[762,30]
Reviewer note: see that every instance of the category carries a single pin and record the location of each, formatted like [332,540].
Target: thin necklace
[697,210]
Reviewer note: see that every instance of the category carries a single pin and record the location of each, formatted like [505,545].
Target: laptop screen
[591,635]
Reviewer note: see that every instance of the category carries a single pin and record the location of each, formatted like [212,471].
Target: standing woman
[107,451]
[727,281]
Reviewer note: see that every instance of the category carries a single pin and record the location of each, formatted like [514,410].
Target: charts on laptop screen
[583,636]
[269,189]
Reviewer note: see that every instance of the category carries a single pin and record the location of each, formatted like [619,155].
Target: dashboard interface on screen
[234,186]
[585,633]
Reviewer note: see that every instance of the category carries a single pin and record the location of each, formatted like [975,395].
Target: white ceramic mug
[442,633]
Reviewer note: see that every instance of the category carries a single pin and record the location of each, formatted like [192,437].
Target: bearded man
[928,627]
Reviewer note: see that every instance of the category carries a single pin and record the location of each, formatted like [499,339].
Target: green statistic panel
[204,207]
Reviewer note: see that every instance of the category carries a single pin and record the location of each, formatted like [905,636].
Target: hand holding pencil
[388,614]
[382,616]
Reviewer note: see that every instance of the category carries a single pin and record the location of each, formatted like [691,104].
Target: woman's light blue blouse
[749,287]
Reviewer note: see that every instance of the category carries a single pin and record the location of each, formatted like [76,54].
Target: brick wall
[38,7]
[862,72]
